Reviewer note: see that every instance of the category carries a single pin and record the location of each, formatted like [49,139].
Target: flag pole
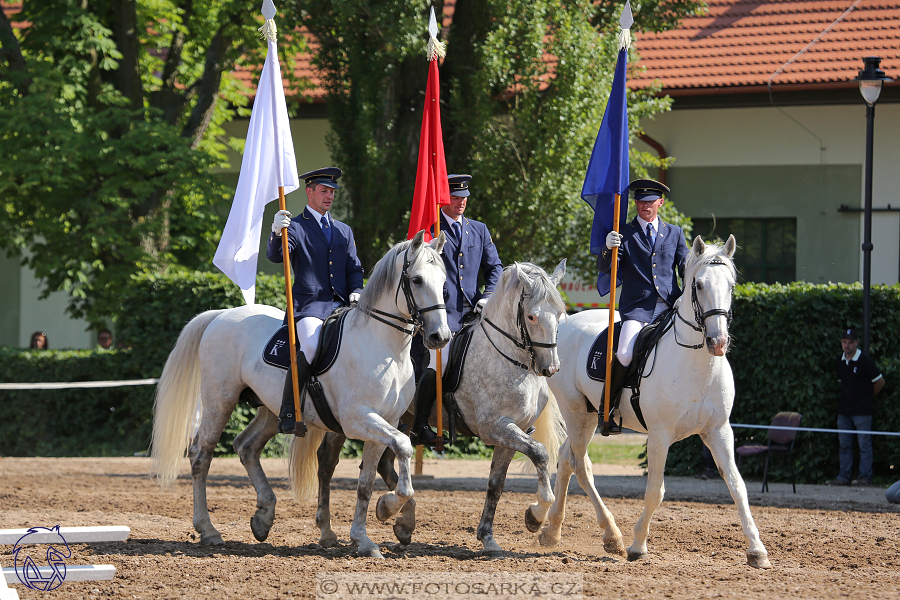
[299,425]
[612,316]
[439,402]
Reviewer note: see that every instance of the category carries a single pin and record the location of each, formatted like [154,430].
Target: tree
[524,86]
[110,121]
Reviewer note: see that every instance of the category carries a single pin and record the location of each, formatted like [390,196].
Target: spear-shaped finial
[435,49]
[625,22]
[268,30]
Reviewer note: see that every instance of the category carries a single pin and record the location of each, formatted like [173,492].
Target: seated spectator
[39,340]
[104,339]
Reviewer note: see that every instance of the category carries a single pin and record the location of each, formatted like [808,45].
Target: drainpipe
[659,150]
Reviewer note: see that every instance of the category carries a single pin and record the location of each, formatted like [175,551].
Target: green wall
[828,242]
[9,302]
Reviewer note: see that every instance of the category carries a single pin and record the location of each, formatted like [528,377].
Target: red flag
[432,188]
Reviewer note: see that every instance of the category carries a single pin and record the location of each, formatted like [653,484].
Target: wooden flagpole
[612,316]
[439,441]
[299,426]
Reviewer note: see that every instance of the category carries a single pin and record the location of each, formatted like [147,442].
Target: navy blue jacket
[322,273]
[477,253]
[647,275]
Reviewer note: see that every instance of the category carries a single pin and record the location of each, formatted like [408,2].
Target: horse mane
[382,280]
[713,252]
[542,289]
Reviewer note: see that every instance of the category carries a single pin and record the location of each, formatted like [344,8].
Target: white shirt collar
[854,359]
[644,224]
[317,216]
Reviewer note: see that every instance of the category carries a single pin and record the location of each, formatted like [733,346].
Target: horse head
[425,275]
[711,272]
[527,299]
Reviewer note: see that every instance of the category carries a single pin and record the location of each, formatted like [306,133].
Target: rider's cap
[459,185]
[326,176]
[849,334]
[647,190]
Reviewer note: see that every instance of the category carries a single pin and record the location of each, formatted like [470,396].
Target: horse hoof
[532,524]
[328,540]
[404,535]
[212,540]
[614,547]
[634,555]
[260,527]
[759,559]
[382,512]
[547,538]
[370,553]
[493,553]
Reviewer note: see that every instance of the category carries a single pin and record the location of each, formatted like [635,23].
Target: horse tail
[177,399]
[550,429]
[303,464]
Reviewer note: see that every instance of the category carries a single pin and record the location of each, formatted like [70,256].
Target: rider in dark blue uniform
[469,251]
[651,253]
[327,272]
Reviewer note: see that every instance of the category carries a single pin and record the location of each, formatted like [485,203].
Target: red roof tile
[743,45]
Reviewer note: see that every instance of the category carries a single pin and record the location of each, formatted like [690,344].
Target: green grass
[615,454]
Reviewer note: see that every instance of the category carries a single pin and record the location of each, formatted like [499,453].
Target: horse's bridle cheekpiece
[415,312]
[526,344]
[700,316]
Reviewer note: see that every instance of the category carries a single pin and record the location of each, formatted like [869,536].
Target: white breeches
[445,356]
[630,330]
[308,329]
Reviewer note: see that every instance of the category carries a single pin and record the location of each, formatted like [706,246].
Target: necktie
[651,236]
[326,229]
[457,232]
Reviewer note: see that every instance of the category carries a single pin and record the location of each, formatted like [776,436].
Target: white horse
[502,393]
[688,391]
[219,355]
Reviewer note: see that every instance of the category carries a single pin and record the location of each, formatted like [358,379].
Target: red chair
[781,441]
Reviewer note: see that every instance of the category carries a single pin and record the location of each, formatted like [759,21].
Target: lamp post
[870,79]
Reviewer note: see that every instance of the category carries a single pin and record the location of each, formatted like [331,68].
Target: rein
[526,344]
[415,312]
[700,316]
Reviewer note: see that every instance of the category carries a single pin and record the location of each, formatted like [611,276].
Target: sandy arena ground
[823,542]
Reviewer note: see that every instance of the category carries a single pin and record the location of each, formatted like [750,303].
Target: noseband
[415,312]
[526,344]
[700,316]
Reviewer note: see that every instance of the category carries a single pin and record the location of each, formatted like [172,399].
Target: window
[767,248]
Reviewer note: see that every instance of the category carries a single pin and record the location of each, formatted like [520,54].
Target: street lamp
[870,79]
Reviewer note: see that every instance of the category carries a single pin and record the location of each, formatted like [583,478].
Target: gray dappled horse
[503,392]
[219,355]
[689,389]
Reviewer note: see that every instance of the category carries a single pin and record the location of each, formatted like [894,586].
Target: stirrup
[423,436]
[610,427]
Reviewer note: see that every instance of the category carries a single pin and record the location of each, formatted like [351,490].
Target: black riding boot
[287,420]
[426,391]
[616,383]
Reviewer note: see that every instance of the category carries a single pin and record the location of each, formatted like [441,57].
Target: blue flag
[608,172]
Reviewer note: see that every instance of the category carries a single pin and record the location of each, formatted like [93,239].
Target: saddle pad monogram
[596,358]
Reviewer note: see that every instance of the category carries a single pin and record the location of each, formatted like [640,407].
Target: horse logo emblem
[30,572]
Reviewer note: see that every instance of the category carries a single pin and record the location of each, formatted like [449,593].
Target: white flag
[268,162]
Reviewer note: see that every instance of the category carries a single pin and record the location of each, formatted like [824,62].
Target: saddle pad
[596,358]
[277,354]
[459,346]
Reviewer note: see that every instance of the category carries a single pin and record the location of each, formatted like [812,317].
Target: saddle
[451,379]
[646,341]
[276,353]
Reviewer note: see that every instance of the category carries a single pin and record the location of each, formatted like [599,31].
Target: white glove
[613,239]
[354,297]
[282,220]
[479,306]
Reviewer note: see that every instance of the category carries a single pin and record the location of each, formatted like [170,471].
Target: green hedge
[784,342]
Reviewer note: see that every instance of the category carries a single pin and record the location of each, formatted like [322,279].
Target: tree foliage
[111,118]
[523,89]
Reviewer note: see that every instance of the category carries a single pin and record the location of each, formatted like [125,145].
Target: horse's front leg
[329,453]
[406,522]
[721,443]
[365,547]
[249,445]
[657,450]
[499,465]
[395,500]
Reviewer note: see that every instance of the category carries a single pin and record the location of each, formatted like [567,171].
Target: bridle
[700,316]
[526,342]
[415,313]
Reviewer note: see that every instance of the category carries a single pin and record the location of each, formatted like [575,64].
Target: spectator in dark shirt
[861,380]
